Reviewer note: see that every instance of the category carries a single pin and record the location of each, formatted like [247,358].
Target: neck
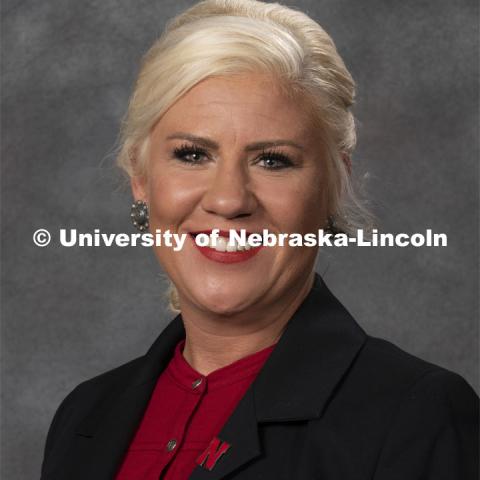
[214,341]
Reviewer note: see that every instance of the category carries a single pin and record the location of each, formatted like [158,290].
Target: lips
[222,233]
[222,250]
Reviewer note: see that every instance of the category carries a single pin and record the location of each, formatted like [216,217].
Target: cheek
[299,206]
[171,197]
[315,209]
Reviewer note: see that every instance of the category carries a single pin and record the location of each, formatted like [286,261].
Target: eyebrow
[252,147]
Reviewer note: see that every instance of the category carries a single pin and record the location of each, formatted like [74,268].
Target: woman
[240,119]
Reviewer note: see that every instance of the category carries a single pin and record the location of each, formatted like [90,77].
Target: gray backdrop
[70,314]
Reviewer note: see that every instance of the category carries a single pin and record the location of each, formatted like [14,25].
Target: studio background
[71,313]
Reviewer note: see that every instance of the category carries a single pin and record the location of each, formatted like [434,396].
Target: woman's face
[234,153]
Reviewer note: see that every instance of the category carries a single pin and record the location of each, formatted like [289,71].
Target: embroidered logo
[214,451]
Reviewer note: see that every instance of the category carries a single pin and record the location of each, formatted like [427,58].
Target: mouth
[223,249]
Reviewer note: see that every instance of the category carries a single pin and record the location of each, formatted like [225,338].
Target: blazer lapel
[241,433]
[106,445]
[105,434]
[315,351]
[317,348]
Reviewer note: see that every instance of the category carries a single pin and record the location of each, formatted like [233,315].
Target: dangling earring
[139,215]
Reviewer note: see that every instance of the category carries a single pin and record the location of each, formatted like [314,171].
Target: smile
[223,250]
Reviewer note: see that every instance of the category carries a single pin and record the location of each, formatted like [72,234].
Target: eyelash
[180,153]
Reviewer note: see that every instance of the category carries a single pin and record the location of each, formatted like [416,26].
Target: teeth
[226,246]
[232,246]
[221,245]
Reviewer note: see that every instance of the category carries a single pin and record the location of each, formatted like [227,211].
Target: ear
[139,187]
[347,161]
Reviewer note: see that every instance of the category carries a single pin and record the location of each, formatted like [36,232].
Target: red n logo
[214,451]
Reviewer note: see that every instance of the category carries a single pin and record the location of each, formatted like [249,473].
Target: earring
[332,227]
[139,215]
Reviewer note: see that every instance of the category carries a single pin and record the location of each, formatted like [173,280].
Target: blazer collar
[318,346]
[315,351]
[313,354]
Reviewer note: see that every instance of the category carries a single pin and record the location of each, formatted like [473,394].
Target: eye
[274,161]
[190,154]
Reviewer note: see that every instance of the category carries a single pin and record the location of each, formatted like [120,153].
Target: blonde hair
[228,37]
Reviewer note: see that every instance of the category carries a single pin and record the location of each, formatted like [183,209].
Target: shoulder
[388,388]
[418,378]
[432,420]
[101,384]
[91,400]
[406,417]
[383,361]
[84,397]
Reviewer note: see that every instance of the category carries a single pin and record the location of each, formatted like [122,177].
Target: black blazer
[331,403]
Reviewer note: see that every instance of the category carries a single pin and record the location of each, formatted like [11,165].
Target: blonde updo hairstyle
[229,37]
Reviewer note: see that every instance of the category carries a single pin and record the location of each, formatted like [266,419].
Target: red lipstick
[224,257]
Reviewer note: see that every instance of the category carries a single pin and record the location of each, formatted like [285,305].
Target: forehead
[253,105]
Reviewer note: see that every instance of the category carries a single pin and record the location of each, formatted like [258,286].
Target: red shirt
[186,411]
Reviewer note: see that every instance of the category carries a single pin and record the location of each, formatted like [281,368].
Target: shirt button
[196,383]
[171,445]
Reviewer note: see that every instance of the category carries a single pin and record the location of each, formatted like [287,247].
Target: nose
[229,194]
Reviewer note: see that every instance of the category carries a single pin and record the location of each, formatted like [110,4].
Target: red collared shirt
[186,411]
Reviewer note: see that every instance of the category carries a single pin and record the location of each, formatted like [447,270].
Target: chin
[225,301]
